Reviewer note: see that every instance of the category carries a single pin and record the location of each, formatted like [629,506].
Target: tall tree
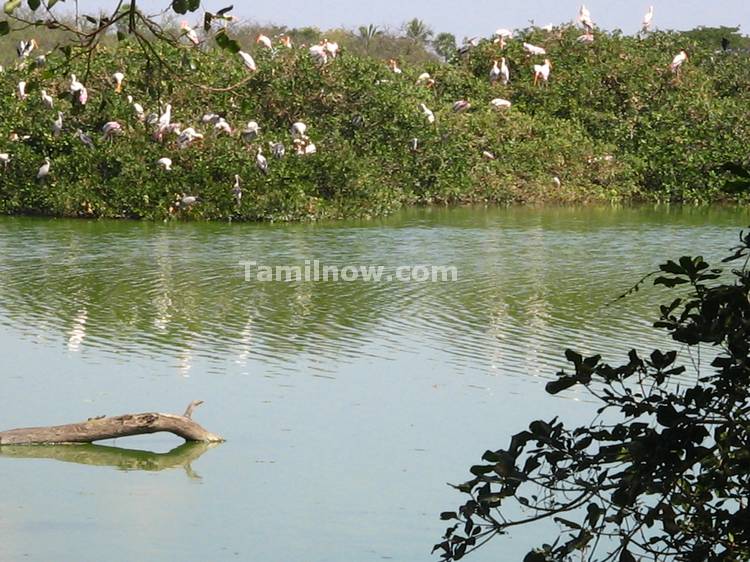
[365,34]
[444,45]
[418,31]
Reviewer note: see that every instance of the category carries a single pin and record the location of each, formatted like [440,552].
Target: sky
[468,18]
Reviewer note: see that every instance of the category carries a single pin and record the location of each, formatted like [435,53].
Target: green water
[346,406]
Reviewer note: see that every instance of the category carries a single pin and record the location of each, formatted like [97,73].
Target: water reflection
[114,457]
[177,292]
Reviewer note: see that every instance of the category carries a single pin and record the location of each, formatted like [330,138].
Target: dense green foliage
[663,473]
[613,124]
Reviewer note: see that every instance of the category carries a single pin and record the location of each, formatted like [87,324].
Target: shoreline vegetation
[387,122]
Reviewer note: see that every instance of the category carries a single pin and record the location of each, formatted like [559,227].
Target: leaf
[447,515]
[4,28]
[670,282]
[625,556]
[34,4]
[568,523]
[193,5]
[207,19]
[51,3]
[11,5]
[225,42]
[180,6]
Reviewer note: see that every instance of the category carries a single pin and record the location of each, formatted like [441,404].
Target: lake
[347,406]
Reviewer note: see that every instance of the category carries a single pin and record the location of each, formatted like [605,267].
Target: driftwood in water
[111,428]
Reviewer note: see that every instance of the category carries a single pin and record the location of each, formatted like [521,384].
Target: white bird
[425,79]
[165,163]
[461,106]
[331,48]
[414,144]
[286,41]
[187,201]
[310,148]
[137,108]
[427,112]
[78,90]
[189,32]
[319,54]
[22,90]
[584,17]
[211,118]
[495,72]
[84,138]
[488,155]
[188,136]
[237,189]
[648,19]
[548,28]
[556,181]
[57,125]
[500,103]
[533,49]
[117,78]
[677,62]
[261,162]
[41,60]
[165,118]
[25,48]
[47,99]
[542,72]
[504,71]
[248,61]
[110,129]
[265,41]
[393,65]
[250,132]
[222,126]
[44,169]
[277,149]
[501,36]
[4,159]
[587,37]
[299,129]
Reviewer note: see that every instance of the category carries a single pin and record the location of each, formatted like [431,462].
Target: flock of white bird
[163,126]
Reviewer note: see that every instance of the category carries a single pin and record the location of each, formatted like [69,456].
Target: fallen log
[112,428]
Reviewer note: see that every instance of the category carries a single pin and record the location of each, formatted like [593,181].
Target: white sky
[471,17]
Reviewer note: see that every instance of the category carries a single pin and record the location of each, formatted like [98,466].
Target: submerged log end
[112,428]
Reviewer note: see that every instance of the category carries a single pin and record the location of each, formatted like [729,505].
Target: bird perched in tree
[264,41]
[261,162]
[299,129]
[331,48]
[677,62]
[542,72]
[188,136]
[648,19]
[189,32]
[495,72]
[78,90]
[85,139]
[22,90]
[221,126]
[426,80]
[47,99]
[427,112]
[286,41]
[587,37]
[584,17]
[502,36]
[393,65]
[248,61]
[117,78]
[165,163]
[57,125]
[250,132]
[460,106]
[4,159]
[237,190]
[24,48]
[44,169]
[187,201]
[533,49]
[500,103]
[137,108]
[319,54]
[110,129]
[277,149]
